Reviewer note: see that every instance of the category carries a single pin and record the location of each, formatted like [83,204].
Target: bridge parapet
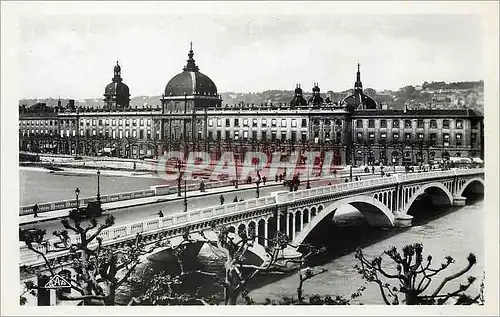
[132,229]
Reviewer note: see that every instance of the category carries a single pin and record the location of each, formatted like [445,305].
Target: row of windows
[88,122]
[121,122]
[408,124]
[107,133]
[420,137]
[274,136]
[264,122]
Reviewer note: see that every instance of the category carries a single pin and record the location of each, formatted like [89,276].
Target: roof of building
[191,81]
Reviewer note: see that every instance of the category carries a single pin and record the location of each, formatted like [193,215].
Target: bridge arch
[476,181]
[376,213]
[441,196]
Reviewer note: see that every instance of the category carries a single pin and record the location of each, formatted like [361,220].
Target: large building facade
[193,117]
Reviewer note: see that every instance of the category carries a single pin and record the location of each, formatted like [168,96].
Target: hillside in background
[435,94]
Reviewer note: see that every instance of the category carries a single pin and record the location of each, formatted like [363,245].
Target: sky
[72,56]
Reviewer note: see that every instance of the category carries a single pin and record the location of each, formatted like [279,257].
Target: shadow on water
[340,236]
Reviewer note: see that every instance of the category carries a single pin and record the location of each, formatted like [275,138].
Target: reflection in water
[454,231]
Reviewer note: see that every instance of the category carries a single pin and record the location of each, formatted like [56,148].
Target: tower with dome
[116,94]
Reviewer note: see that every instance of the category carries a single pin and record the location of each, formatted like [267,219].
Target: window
[359,123]
[338,137]
[134,133]
[113,122]
[446,124]
[371,135]
[420,136]
[283,136]
[94,122]
[273,122]
[371,123]
[219,122]
[304,123]
[236,122]
[327,136]
[141,122]
[254,123]
[219,135]
[294,123]
[245,135]
[327,122]
[134,122]
[420,124]
[100,122]
[127,122]
[283,123]
[433,124]
[383,135]
[458,139]
[273,135]
[264,135]
[407,136]
[254,135]
[264,123]
[107,122]
[93,132]
[359,135]
[473,138]
[383,124]
[407,124]
[210,135]
[395,123]
[459,124]
[304,137]
[210,123]
[395,136]
[446,139]
[294,136]
[245,122]
[228,122]
[81,132]
[433,138]
[141,134]
[120,134]
[149,122]
[236,135]
[228,135]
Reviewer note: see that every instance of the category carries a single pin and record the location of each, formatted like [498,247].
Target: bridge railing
[131,229]
[283,197]
[157,190]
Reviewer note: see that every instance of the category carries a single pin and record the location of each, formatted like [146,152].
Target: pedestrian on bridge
[160,214]
[264,180]
[222,199]
[35,211]
[276,178]
[235,200]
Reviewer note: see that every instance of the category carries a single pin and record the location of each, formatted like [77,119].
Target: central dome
[190,82]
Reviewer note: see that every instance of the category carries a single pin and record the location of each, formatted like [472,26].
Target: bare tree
[414,275]
[100,270]
[237,272]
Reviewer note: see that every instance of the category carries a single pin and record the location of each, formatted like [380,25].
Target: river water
[454,231]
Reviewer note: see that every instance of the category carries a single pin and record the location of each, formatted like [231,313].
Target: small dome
[116,88]
[355,102]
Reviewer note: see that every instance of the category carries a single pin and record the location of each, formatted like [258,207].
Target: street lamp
[258,189]
[185,197]
[77,193]
[179,179]
[350,172]
[236,174]
[308,185]
[98,187]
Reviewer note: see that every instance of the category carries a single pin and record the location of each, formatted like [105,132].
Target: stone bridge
[383,201]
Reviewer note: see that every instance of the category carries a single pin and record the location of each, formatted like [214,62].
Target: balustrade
[277,198]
